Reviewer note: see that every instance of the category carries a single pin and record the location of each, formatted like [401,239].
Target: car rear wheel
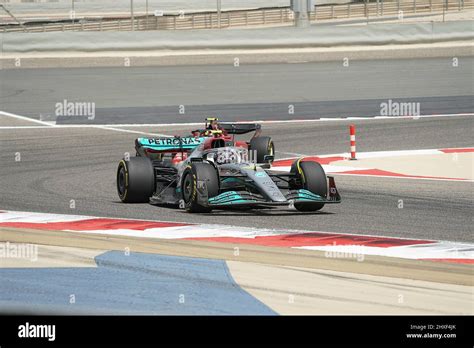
[309,176]
[135,180]
[264,147]
[199,172]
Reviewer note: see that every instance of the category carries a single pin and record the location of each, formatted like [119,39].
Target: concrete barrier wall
[320,36]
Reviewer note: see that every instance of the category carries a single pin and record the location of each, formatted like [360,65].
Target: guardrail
[241,18]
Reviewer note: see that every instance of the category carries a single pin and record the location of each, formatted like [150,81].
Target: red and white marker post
[352,129]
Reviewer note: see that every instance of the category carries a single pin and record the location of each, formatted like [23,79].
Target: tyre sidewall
[264,146]
[199,172]
[139,180]
[313,178]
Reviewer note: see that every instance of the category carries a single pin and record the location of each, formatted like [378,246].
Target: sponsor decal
[174,141]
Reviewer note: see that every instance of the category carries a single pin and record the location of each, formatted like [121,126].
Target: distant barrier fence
[243,18]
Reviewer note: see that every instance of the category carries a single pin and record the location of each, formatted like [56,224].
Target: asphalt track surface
[63,164]
[247,92]
[59,165]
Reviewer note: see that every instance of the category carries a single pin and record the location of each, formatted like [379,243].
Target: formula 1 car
[204,172]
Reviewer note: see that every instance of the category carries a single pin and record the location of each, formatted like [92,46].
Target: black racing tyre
[135,180]
[192,174]
[264,146]
[311,177]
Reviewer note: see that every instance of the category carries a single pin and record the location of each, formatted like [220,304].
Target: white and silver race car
[200,174]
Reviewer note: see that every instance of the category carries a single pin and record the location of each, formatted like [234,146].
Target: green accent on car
[232,180]
[228,198]
[305,195]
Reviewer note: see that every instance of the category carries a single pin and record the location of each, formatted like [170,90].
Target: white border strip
[134,132]
[431,249]
[22,216]
[438,250]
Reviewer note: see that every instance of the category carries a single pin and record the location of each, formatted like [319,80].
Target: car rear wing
[240,128]
[164,145]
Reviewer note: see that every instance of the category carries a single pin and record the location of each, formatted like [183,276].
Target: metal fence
[389,8]
[245,18]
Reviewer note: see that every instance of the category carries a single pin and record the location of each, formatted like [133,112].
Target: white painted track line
[134,132]
[369,118]
[24,118]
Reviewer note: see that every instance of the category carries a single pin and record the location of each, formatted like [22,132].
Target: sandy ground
[301,291]
[48,256]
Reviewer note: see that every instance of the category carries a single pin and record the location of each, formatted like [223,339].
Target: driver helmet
[212,123]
